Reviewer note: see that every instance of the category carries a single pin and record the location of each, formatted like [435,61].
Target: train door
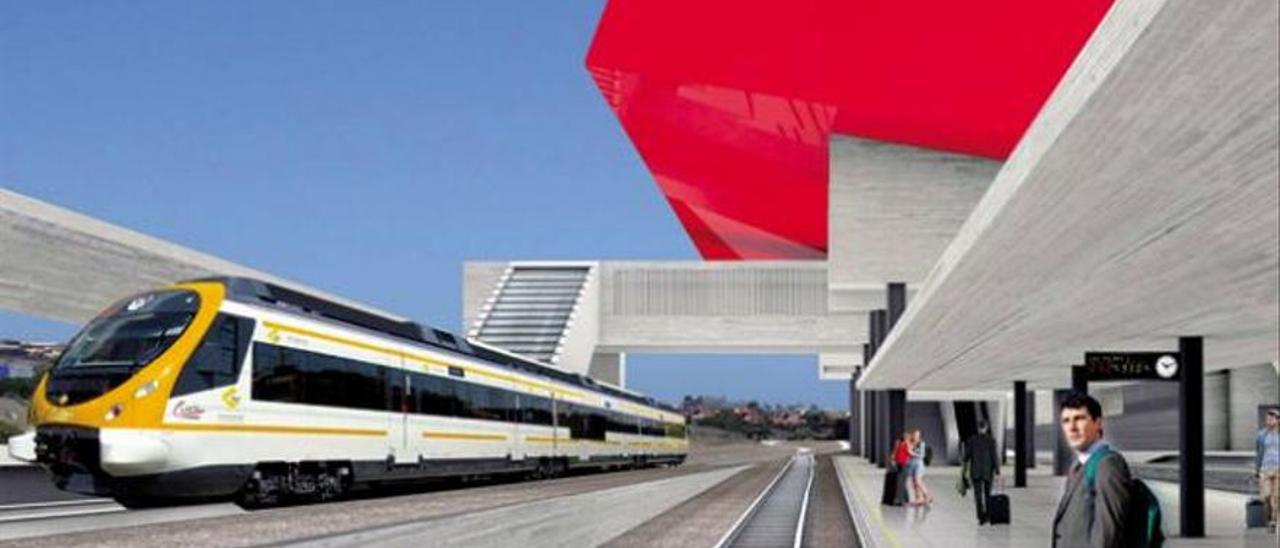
[400,401]
[516,447]
[555,425]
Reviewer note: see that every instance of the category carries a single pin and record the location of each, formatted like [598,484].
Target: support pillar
[609,367]
[1079,379]
[896,304]
[1020,433]
[1191,437]
[868,419]
[1063,455]
[873,427]
[897,403]
[855,414]
[1031,429]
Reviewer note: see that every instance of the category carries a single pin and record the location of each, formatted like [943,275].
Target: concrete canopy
[62,265]
[1140,206]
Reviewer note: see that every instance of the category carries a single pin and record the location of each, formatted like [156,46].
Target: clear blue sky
[364,148]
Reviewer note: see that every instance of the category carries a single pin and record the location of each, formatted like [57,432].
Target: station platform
[950,522]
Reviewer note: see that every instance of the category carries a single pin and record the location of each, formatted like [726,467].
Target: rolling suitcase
[998,506]
[890,495]
[1255,514]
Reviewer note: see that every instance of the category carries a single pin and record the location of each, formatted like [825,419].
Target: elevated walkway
[951,523]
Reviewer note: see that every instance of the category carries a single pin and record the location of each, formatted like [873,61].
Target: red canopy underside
[731,103]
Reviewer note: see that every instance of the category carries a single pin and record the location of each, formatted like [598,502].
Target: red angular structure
[730,103]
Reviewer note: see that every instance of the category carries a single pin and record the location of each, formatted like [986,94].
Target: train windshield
[121,340]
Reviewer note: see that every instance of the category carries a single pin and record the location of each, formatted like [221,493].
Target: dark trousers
[981,492]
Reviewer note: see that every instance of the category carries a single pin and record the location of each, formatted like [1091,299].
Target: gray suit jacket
[1095,521]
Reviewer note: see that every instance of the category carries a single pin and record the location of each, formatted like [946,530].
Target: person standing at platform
[902,460]
[984,466]
[1091,513]
[1267,466]
[915,469]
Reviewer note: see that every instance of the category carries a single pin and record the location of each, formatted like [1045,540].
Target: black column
[1191,436]
[886,435]
[895,305]
[873,426]
[1062,453]
[855,414]
[897,403]
[1031,429]
[885,440]
[865,402]
[1079,379]
[1020,433]
[877,417]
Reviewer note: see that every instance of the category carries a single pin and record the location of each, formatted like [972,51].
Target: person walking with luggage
[1095,501]
[1266,466]
[915,470]
[984,466]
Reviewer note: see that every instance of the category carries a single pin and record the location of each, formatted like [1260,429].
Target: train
[236,388]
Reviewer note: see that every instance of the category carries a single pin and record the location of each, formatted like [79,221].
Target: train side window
[465,400]
[398,397]
[216,362]
[289,375]
[535,410]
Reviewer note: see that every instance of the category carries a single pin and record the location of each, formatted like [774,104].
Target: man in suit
[984,464]
[1091,515]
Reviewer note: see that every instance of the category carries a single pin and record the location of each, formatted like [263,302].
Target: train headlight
[146,390]
[113,412]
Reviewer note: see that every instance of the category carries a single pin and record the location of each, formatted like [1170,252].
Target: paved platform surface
[950,522]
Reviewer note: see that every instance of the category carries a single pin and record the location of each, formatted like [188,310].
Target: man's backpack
[1143,520]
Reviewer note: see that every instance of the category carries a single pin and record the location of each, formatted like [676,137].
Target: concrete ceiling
[894,208]
[62,265]
[1141,205]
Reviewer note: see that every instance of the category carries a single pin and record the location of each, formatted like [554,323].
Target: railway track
[30,511]
[777,517]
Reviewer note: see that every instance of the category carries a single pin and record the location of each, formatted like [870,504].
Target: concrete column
[897,403]
[887,435]
[1079,379]
[868,420]
[855,414]
[873,427]
[1021,429]
[896,304]
[1191,437]
[1062,454]
[610,368]
[1031,429]
[885,443]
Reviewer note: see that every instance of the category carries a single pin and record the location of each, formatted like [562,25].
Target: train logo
[184,410]
[231,397]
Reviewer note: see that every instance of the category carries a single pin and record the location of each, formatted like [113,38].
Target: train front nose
[73,457]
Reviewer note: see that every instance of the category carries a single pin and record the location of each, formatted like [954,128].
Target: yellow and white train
[232,387]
